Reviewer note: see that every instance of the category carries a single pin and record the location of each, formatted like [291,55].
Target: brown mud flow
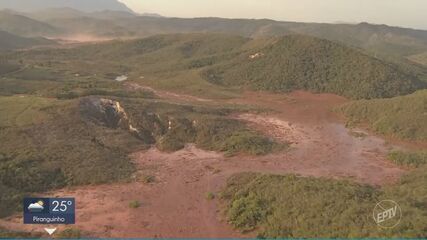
[179,202]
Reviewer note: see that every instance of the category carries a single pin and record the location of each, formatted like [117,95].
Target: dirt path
[176,204]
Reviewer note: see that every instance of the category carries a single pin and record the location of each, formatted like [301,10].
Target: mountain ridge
[82,5]
[379,39]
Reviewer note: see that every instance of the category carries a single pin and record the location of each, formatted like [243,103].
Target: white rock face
[256,55]
[121,78]
[107,112]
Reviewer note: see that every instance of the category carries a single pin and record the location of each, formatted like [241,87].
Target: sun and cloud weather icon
[36,207]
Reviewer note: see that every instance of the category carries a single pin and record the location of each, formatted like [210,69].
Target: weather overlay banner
[49,211]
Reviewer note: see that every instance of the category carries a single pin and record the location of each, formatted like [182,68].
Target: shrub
[134,204]
[290,206]
[70,233]
[403,117]
[210,196]
[148,179]
[247,142]
[409,159]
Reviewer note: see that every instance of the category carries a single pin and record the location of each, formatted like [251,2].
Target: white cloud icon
[35,206]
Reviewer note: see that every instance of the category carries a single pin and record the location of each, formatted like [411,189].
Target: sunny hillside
[225,61]
[402,117]
[301,62]
[291,206]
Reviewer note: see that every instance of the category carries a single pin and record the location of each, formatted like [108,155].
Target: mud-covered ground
[179,202]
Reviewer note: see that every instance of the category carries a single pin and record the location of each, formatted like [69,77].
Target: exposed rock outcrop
[106,112]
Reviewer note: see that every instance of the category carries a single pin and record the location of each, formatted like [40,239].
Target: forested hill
[303,62]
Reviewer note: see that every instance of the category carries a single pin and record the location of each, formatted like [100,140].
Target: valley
[175,203]
[208,127]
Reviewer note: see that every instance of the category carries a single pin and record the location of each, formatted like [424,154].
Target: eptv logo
[387,214]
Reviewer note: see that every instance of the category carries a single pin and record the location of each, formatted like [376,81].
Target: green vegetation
[171,127]
[220,66]
[210,196]
[27,110]
[69,233]
[148,179]
[419,58]
[231,137]
[402,117]
[45,142]
[292,206]
[4,234]
[51,140]
[301,62]
[379,39]
[53,143]
[409,159]
[134,204]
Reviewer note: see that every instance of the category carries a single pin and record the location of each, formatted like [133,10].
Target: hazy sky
[407,13]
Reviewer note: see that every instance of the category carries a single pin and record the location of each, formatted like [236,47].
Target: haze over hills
[82,5]
[24,26]
[10,42]
[379,39]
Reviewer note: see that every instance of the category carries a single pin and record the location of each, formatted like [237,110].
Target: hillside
[381,40]
[10,42]
[87,140]
[402,117]
[24,26]
[419,58]
[321,207]
[51,14]
[301,62]
[82,5]
[93,27]
[231,62]
[180,123]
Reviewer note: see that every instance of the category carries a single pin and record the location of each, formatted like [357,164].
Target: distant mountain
[151,15]
[9,41]
[25,26]
[82,5]
[381,40]
[52,14]
[55,13]
[89,26]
